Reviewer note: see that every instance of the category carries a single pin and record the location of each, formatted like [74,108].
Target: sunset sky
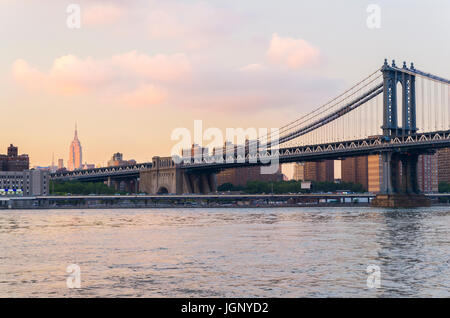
[137,69]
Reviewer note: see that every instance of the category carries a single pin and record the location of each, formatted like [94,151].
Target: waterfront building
[299,171]
[322,171]
[375,173]
[26,183]
[444,165]
[355,170]
[12,161]
[427,173]
[75,153]
[240,176]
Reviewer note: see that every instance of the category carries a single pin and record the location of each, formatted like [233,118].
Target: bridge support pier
[167,177]
[400,188]
[132,186]
[113,184]
[199,183]
[409,173]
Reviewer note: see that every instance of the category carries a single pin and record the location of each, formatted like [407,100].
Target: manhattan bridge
[398,112]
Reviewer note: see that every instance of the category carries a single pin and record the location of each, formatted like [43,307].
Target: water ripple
[277,252]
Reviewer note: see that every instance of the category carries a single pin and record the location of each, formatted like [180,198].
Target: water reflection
[403,252]
[287,252]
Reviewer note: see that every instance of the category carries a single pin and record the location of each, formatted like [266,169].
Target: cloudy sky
[137,69]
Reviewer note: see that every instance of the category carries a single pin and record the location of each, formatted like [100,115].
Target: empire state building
[75,153]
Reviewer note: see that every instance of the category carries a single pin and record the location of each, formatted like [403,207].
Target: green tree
[444,187]
[79,188]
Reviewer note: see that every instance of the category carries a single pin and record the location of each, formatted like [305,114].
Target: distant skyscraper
[60,164]
[75,153]
[53,168]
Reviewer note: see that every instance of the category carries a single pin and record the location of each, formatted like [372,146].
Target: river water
[224,252]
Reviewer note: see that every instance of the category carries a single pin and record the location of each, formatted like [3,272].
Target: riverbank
[180,206]
[194,201]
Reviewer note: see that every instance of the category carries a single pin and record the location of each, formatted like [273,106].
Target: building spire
[52,168]
[76,131]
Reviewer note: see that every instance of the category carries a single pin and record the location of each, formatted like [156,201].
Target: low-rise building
[26,183]
[12,161]
[117,160]
[87,166]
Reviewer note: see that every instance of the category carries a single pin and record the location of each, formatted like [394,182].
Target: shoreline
[177,206]
[197,201]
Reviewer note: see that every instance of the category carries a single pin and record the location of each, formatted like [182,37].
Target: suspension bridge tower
[400,184]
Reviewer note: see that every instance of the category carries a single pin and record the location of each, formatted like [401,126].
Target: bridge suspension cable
[320,110]
[357,112]
[335,108]
[432,102]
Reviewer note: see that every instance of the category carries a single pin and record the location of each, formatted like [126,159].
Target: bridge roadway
[420,143]
[103,174]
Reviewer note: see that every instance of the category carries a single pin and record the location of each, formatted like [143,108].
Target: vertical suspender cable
[436,107]
[429,105]
[422,108]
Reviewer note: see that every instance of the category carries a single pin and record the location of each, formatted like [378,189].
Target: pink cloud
[26,75]
[144,95]
[159,67]
[196,25]
[162,24]
[252,68]
[102,14]
[69,75]
[123,77]
[292,53]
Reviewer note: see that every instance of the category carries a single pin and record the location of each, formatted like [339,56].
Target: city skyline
[129,95]
[222,150]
